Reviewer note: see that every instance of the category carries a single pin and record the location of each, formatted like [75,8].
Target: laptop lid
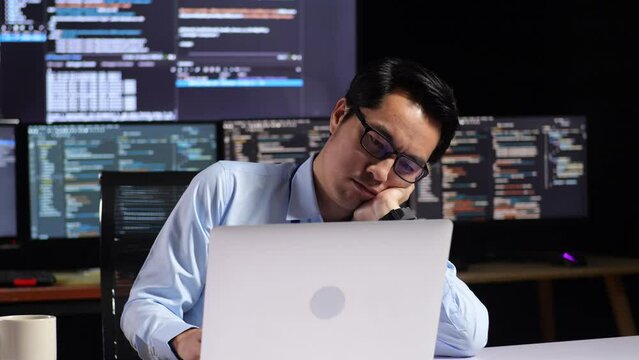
[349,290]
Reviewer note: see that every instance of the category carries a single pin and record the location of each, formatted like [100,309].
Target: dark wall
[535,57]
[527,58]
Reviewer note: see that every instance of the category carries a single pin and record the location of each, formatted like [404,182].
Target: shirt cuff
[160,348]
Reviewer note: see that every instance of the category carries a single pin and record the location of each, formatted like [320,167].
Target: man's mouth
[366,191]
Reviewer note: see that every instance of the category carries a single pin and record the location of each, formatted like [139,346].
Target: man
[396,117]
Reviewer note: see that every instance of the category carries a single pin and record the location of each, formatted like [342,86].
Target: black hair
[424,87]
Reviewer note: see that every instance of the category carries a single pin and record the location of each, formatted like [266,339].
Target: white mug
[28,337]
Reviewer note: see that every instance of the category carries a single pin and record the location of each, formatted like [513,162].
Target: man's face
[347,174]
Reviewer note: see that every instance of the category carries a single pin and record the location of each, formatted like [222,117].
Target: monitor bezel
[13,241]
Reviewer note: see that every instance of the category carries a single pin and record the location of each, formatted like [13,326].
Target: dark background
[521,58]
[536,58]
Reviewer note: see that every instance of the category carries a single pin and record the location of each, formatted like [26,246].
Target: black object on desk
[556,258]
[26,278]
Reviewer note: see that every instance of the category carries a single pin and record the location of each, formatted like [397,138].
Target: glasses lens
[408,169]
[376,145]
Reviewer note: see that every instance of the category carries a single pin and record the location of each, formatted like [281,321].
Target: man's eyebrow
[380,128]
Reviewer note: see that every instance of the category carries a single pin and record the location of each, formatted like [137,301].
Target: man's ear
[338,114]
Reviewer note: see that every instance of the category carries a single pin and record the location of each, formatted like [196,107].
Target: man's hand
[187,344]
[383,203]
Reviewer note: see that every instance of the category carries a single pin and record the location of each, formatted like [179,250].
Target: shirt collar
[302,204]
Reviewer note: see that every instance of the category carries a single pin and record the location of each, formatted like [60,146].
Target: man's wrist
[400,213]
[173,342]
[172,347]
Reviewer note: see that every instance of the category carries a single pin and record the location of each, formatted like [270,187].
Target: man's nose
[381,169]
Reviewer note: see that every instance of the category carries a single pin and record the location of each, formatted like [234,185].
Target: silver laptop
[350,290]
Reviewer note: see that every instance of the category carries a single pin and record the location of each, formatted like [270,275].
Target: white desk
[617,348]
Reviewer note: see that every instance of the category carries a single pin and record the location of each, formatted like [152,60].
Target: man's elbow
[464,338]
[476,339]
[463,345]
[473,344]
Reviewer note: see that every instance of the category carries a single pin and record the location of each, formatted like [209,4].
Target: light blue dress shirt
[167,297]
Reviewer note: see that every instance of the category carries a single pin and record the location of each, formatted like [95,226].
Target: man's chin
[350,202]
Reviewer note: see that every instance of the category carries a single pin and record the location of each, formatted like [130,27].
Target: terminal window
[275,140]
[142,60]
[65,162]
[22,21]
[505,168]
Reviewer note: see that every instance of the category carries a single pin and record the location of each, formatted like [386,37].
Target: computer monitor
[516,188]
[8,173]
[175,60]
[65,161]
[510,168]
[274,140]
[497,168]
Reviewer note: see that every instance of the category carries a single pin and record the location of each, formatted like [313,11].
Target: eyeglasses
[379,147]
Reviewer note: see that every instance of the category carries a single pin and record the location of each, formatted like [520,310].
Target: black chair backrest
[134,209]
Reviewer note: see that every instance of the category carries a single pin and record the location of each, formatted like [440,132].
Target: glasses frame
[367,128]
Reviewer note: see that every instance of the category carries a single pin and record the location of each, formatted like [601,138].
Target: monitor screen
[65,161]
[8,206]
[275,140]
[134,60]
[509,168]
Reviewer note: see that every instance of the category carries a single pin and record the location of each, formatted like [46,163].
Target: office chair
[133,210]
